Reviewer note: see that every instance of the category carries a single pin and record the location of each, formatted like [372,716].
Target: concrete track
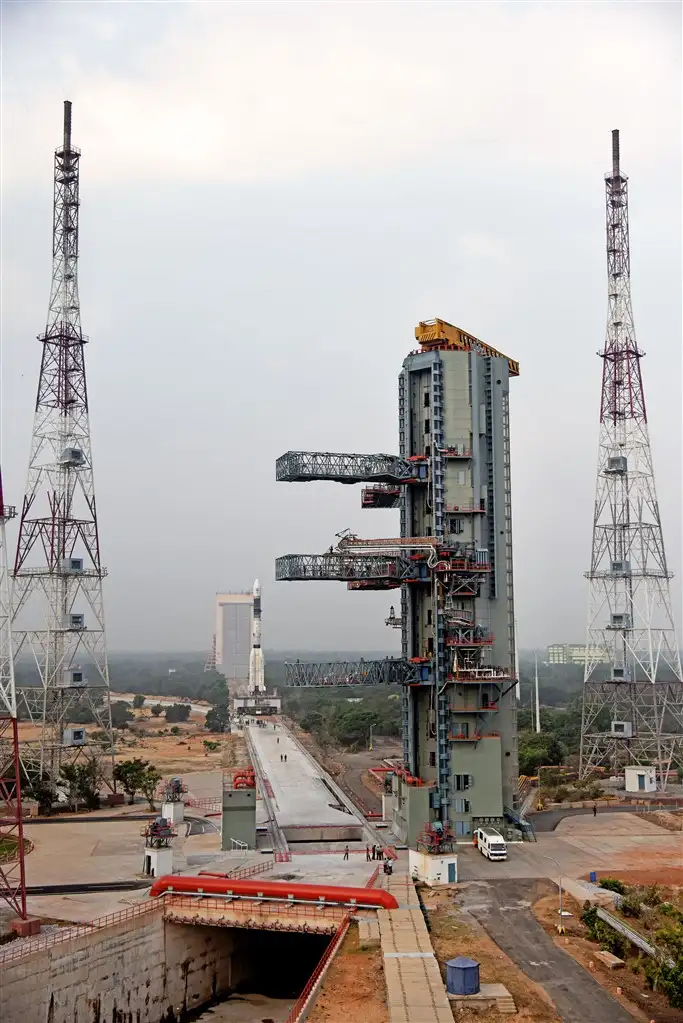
[504,910]
[547,820]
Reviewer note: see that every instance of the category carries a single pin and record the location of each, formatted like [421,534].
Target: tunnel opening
[247,976]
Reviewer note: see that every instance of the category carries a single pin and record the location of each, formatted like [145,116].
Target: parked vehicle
[491,844]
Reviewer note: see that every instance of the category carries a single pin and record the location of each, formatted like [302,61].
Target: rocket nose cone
[257,588]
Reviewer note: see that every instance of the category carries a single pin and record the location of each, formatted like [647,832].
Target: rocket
[257,682]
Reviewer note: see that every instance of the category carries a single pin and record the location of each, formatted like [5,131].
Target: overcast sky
[273,195]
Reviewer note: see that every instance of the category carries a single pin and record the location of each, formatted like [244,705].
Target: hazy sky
[273,195]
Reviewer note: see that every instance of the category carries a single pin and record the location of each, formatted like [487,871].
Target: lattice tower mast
[633,709]
[58,607]
[12,876]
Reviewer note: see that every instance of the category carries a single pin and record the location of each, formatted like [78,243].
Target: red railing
[237,872]
[23,947]
[372,881]
[297,1009]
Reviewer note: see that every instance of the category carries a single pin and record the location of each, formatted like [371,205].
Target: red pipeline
[315,893]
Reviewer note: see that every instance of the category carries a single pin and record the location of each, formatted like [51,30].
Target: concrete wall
[143,970]
[239,817]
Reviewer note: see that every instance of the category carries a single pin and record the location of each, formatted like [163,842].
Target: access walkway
[300,793]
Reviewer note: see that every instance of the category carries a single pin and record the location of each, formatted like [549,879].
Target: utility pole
[537,703]
[12,877]
[630,616]
[58,608]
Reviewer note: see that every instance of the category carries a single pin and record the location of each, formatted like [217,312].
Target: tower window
[428,450]
[457,526]
[426,426]
[429,616]
[432,759]
[426,399]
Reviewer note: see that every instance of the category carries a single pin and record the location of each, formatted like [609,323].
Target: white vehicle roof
[490,833]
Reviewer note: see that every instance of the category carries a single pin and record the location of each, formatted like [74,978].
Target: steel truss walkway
[389,671]
[302,466]
[347,567]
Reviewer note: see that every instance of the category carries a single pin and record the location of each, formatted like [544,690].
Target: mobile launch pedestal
[258,702]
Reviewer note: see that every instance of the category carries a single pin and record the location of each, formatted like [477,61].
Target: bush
[652,895]
[630,905]
[613,884]
[177,712]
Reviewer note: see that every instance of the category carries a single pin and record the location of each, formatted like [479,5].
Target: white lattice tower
[633,706]
[58,607]
[12,878]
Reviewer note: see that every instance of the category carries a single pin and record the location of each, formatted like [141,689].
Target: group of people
[376,853]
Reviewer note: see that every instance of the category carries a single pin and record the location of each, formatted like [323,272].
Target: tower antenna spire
[630,619]
[58,574]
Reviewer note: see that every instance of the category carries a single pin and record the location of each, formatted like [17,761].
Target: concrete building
[575,653]
[459,731]
[233,634]
[453,564]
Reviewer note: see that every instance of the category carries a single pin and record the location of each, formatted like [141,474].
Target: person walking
[367,853]
[285,758]
[346,852]
[374,851]
[281,758]
[595,809]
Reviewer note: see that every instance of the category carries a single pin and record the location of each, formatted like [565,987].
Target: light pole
[559,884]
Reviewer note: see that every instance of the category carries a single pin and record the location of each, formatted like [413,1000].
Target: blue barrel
[593,877]
[462,976]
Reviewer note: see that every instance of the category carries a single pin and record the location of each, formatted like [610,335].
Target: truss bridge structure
[303,466]
[388,671]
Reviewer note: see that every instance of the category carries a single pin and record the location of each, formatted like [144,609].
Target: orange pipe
[332,894]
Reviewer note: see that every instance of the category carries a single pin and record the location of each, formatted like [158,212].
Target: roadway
[301,794]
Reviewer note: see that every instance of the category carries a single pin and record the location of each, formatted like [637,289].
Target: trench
[268,971]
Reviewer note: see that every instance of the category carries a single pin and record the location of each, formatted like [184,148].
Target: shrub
[652,895]
[613,884]
[630,905]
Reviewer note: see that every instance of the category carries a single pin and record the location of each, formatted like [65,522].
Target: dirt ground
[658,875]
[451,937]
[353,989]
[636,997]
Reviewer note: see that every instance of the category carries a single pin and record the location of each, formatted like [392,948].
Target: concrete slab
[301,796]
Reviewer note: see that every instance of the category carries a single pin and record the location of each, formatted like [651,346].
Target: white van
[491,844]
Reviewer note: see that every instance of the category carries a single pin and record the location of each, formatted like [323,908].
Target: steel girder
[302,466]
[390,671]
[346,567]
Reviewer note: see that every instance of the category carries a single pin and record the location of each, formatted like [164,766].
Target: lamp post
[559,884]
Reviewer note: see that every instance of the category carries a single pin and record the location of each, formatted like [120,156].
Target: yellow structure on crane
[440,334]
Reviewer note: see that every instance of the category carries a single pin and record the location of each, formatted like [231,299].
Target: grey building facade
[233,634]
[459,727]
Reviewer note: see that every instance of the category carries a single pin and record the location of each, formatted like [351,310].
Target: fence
[299,1006]
[22,947]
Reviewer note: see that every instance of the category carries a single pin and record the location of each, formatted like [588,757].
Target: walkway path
[504,910]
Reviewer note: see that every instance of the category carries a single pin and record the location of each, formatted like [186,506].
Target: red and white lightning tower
[632,706]
[12,879]
[58,608]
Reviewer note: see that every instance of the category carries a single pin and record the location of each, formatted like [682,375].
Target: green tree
[138,701]
[121,714]
[131,775]
[217,719]
[177,712]
[210,746]
[149,782]
[175,730]
[83,782]
[157,710]
[536,750]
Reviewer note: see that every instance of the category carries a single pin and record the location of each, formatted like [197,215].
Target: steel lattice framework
[390,671]
[630,615]
[58,608]
[345,567]
[301,466]
[12,877]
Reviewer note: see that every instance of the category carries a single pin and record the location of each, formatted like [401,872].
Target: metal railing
[23,947]
[297,1009]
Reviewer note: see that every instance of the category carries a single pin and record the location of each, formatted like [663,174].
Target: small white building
[433,869]
[640,779]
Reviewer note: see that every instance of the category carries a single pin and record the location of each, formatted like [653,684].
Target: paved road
[547,820]
[504,910]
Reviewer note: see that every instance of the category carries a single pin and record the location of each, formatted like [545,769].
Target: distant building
[575,653]
[233,634]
